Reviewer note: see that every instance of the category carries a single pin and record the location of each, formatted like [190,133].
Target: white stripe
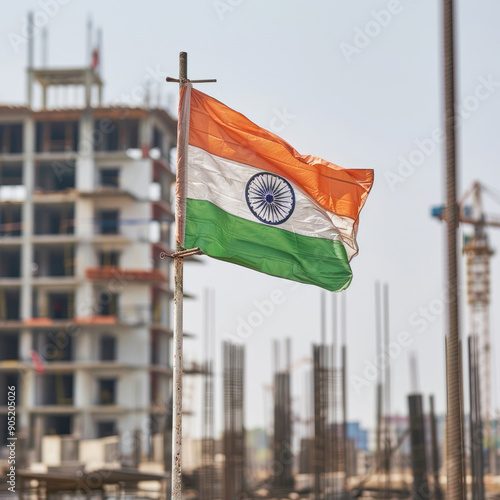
[223,183]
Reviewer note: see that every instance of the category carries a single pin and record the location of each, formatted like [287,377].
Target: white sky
[285,57]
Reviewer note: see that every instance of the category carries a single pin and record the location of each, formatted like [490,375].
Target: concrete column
[88,87]
[84,215]
[27,383]
[44,96]
[25,345]
[84,398]
[26,378]
[145,132]
[83,393]
[83,346]
[85,164]
[27,218]
[38,437]
[85,257]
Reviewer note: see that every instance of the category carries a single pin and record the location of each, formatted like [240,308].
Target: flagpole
[179,255]
[178,326]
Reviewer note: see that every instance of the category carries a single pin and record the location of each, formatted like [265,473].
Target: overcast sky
[357,83]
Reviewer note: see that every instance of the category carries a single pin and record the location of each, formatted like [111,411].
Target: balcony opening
[107,303]
[108,221]
[58,425]
[108,139]
[9,347]
[132,127]
[117,135]
[9,305]
[54,346]
[111,258]
[11,138]
[157,139]
[8,380]
[155,389]
[55,389]
[107,348]
[57,132]
[61,305]
[54,261]
[106,429]
[54,219]
[10,220]
[55,176]
[57,136]
[10,262]
[155,349]
[11,174]
[107,391]
[110,177]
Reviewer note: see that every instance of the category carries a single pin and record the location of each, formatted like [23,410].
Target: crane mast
[478,254]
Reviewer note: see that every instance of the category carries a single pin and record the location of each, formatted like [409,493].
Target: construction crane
[478,253]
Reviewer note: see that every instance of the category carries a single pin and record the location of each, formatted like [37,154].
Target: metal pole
[318,457]
[378,339]
[344,415]
[178,330]
[44,47]
[387,387]
[343,324]
[31,59]
[323,318]
[472,421]
[288,354]
[417,441]
[88,55]
[438,494]
[454,416]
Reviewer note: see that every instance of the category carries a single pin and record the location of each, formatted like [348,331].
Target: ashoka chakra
[270,198]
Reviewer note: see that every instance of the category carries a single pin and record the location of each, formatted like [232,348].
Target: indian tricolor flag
[246,196]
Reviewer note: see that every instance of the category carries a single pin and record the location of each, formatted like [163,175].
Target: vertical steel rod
[387,388]
[418,452]
[378,340]
[178,332]
[323,317]
[438,494]
[31,62]
[454,416]
[343,325]
[344,416]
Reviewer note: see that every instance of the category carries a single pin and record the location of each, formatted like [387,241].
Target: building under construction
[85,214]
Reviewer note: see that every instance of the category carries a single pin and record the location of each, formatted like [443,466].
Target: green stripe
[267,249]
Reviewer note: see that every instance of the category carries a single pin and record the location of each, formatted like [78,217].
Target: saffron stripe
[226,133]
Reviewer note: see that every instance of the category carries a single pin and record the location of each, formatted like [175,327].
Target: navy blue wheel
[270,198]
